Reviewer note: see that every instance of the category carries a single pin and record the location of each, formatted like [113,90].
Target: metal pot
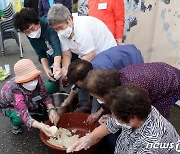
[58,99]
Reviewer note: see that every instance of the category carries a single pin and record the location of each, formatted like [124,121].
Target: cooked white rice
[64,138]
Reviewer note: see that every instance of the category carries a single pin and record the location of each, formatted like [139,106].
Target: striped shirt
[155,133]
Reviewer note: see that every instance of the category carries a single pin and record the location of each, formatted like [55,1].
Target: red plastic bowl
[72,121]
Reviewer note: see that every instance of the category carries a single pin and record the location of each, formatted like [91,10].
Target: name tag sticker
[102,6]
[37,98]
[50,52]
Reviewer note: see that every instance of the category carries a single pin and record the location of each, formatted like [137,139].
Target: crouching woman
[23,98]
[142,125]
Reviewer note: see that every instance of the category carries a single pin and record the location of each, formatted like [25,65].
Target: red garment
[112,16]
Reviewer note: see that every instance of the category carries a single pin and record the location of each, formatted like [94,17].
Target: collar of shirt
[140,130]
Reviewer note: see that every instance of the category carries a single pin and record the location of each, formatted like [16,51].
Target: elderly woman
[43,39]
[22,97]
[83,35]
[160,79]
[143,127]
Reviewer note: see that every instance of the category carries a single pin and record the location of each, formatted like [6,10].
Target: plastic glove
[57,72]
[53,117]
[64,72]
[92,118]
[83,143]
[49,74]
[104,118]
[57,75]
[45,128]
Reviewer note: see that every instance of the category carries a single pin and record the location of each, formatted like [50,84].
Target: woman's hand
[53,117]
[49,74]
[57,72]
[82,143]
[92,118]
[45,128]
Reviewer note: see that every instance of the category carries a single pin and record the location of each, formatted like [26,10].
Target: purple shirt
[161,80]
[43,6]
[14,96]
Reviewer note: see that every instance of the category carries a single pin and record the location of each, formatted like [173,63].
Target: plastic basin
[72,121]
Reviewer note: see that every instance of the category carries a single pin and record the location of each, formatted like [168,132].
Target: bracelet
[53,108]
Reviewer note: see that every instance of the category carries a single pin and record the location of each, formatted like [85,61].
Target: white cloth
[89,34]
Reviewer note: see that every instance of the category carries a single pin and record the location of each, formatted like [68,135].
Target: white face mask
[65,33]
[100,102]
[30,85]
[122,125]
[35,34]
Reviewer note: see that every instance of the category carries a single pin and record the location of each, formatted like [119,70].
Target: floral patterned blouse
[160,79]
[15,96]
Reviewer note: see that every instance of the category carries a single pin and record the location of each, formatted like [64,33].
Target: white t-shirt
[90,34]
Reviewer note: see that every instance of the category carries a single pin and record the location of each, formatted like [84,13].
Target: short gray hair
[58,13]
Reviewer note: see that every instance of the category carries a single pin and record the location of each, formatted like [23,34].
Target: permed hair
[127,101]
[101,82]
[23,19]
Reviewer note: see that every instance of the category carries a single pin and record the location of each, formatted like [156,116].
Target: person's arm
[46,68]
[43,127]
[22,110]
[67,55]
[99,132]
[40,8]
[69,98]
[118,12]
[53,115]
[57,71]
[90,56]
[94,116]
[88,140]
[54,41]
[56,46]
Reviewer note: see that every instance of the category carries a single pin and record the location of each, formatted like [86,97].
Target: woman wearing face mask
[83,35]
[23,98]
[43,39]
[142,125]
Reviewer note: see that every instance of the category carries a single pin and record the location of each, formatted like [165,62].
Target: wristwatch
[53,108]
